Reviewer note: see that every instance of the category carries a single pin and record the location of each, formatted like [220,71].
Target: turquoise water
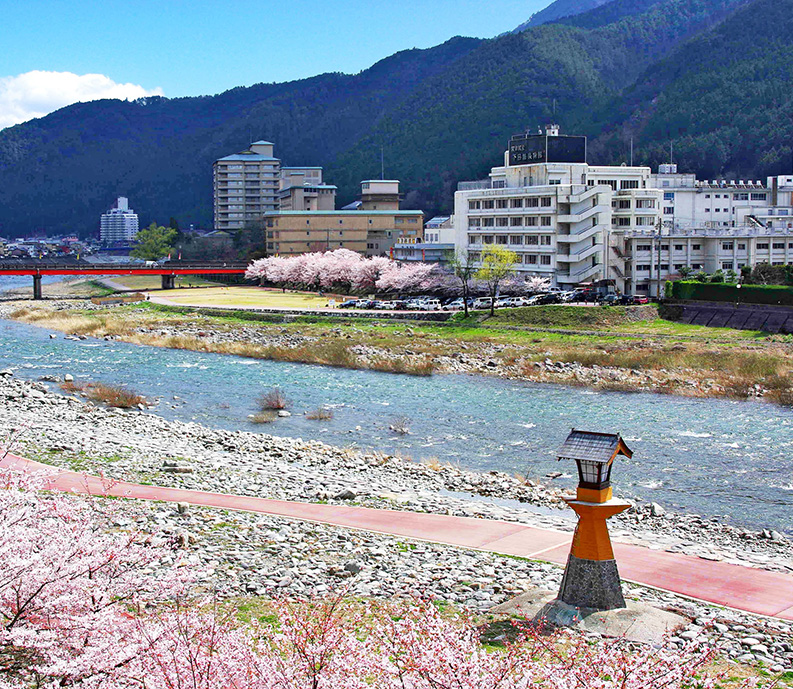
[711,457]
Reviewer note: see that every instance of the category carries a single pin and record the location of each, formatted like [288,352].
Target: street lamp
[591,578]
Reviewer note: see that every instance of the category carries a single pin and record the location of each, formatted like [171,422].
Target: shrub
[742,294]
[320,414]
[273,400]
[114,395]
[401,425]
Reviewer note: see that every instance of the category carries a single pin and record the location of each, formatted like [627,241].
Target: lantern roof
[593,447]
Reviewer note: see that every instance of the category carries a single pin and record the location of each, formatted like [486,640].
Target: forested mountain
[714,75]
[558,10]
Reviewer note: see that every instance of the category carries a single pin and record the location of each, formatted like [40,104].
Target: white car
[430,305]
[533,301]
[482,303]
[385,305]
[456,305]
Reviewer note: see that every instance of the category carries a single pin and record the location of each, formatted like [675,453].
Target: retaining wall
[771,319]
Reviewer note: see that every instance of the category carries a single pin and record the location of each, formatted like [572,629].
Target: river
[710,457]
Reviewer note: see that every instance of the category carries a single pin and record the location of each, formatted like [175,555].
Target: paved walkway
[743,588]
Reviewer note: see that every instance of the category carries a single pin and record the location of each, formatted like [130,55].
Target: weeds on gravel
[275,400]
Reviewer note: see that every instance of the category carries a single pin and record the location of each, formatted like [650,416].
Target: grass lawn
[155,282]
[245,297]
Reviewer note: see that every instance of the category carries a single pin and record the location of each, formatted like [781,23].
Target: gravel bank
[249,554]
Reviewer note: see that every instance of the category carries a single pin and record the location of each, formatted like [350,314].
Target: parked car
[567,297]
[385,305]
[456,305]
[482,303]
[548,298]
[534,300]
[430,305]
[400,305]
[610,300]
[349,304]
[641,299]
[366,304]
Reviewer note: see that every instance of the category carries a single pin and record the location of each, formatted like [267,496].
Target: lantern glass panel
[590,471]
[607,472]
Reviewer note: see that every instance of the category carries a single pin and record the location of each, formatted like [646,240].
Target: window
[645,203]
[741,197]
[762,245]
[610,182]
[532,240]
[488,204]
[530,258]
[501,203]
[726,265]
[472,222]
[759,197]
[707,196]
[629,184]
[623,222]
[545,202]
[696,247]
[664,247]
[554,181]
[718,196]
[545,240]
[501,239]
[545,221]
[516,203]
[669,196]
[531,221]
[532,202]
[707,210]
[474,205]
[488,222]
[487,239]
[516,222]
[727,246]
[624,204]
[643,267]
[678,266]
[741,246]
[678,247]
[545,260]
[664,266]
[644,247]
[779,245]
[516,239]
[502,222]
[474,239]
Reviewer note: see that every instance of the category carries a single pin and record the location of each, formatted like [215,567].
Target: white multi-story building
[119,224]
[621,226]
[560,215]
[709,226]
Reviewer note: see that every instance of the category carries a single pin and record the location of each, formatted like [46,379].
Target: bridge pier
[37,287]
[168,281]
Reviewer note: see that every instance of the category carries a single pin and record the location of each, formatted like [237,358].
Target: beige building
[300,232]
[302,189]
[370,226]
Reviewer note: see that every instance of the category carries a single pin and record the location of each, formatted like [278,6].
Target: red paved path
[744,588]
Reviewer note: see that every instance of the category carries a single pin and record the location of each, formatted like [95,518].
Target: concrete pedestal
[37,287]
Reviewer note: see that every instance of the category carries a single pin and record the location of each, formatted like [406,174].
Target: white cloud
[37,93]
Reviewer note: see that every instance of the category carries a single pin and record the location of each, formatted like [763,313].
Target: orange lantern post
[591,578]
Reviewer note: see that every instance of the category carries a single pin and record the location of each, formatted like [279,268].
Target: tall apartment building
[119,224]
[622,226]
[252,182]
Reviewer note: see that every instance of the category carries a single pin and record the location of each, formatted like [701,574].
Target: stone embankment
[252,554]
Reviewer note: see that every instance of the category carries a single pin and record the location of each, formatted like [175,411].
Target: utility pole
[658,258]
[631,151]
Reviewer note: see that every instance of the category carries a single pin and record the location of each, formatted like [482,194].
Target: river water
[710,457]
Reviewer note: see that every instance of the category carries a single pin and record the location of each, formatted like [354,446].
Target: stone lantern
[591,578]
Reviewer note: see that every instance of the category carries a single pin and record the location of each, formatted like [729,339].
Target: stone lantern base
[591,584]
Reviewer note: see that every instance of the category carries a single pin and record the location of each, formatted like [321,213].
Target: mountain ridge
[440,115]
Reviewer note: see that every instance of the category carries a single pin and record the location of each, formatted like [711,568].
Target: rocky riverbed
[252,554]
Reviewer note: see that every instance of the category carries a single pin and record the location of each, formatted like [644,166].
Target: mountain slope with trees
[710,74]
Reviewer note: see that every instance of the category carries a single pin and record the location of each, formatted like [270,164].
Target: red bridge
[168,271]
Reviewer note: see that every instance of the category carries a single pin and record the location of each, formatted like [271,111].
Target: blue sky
[181,48]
